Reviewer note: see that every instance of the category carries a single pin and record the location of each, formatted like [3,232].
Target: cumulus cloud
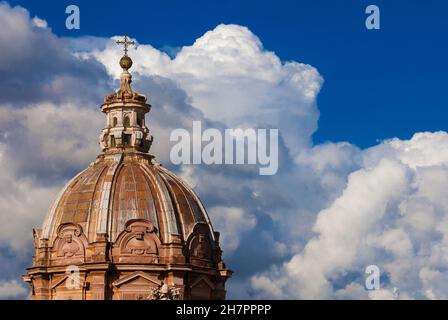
[392,213]
[232,222]
[232,79]
[48,140]
[23,204]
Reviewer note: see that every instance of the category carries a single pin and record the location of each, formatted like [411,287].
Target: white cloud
[329,156]
[23,204]
[11,289]
[40,23]
[232,223]
[268,287]
[392,213]
[381,294]
[352,290]
[36,66]
[395,241]
[49,139]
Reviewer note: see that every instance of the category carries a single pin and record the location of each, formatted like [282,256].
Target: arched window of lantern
[127,140]
[127,121]
[114,121]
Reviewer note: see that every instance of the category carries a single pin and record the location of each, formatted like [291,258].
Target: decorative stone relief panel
[70,245]
[137,243]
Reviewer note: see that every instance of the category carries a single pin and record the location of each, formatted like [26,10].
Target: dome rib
[104,212]
[84,185]
[195,197]
[154,215]
[177,202]
[49,219]
[166,207]
[94,206]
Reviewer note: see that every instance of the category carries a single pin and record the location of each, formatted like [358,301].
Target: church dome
[127,227]
[118,188]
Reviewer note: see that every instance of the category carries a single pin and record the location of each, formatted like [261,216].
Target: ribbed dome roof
[120,187]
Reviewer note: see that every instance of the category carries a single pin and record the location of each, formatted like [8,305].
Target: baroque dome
[118,188]
[126,227]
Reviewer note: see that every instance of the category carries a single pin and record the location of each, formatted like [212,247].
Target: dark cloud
[35,65]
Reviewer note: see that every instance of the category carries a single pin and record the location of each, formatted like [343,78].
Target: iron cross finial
[125,42]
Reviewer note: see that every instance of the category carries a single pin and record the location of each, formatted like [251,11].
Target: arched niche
[200,246]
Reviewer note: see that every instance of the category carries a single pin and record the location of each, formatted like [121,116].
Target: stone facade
[125,227]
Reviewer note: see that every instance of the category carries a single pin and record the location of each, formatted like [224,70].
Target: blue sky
[378,84]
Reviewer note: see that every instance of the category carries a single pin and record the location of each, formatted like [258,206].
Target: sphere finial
[125,62]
